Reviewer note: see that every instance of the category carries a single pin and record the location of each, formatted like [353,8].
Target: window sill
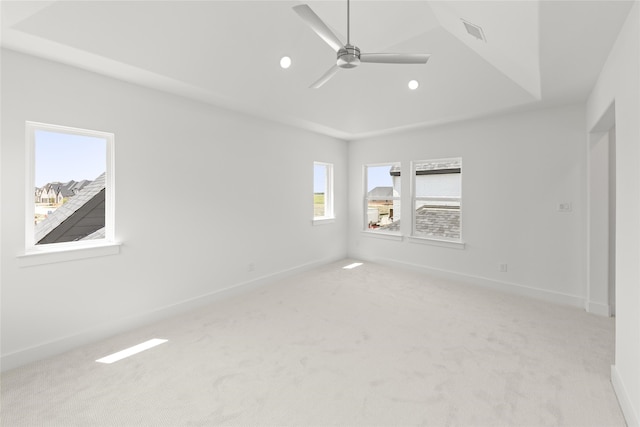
[67,252]
[323,220]
[438,242]
[381,235]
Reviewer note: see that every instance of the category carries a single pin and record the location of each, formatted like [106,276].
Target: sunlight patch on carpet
[353,265]
[131,350]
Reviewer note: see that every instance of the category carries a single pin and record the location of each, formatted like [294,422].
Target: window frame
[329,212]
[57,252]
[435,240]
[366,199]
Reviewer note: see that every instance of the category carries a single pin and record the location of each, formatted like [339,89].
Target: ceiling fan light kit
[348,55]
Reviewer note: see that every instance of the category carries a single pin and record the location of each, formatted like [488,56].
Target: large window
[437,192]
[322,191]
[70,187]
[382,198]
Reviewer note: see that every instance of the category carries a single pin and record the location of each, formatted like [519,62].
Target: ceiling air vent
[474,30]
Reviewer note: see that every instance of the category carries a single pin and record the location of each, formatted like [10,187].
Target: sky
[63,157]
[377,176]
[319,178]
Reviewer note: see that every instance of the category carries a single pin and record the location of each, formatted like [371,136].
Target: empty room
[287,213]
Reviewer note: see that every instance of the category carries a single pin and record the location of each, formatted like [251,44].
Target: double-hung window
[437,192]
[322,191]
[382,198]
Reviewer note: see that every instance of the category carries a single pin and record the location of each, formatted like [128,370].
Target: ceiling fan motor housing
[348,57]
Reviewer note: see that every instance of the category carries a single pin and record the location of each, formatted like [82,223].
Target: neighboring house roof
[52,186]
[67,189]
[430,221]
[438,222]
[439,164]
[432,167]
[98,234]
[381,192]
[80,185]
[81,216]
[394,226]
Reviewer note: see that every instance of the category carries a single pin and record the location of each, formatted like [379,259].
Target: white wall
[598,241]
[619,83]
[516,169]
[239,191]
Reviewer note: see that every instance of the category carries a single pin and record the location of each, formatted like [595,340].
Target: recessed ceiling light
[285,62]
[413,84]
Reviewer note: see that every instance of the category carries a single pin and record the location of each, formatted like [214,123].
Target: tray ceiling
[227,53]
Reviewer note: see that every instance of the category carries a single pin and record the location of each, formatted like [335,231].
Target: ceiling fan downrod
[349,55]
[348,22]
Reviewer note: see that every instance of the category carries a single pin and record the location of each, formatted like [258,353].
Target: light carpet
[373,346]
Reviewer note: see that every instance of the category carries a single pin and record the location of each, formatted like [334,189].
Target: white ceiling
[227,53]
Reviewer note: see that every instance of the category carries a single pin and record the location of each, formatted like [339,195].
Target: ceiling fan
[349,56]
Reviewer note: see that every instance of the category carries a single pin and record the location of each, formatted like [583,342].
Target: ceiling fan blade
[316,24]
[325,77]
[395,58]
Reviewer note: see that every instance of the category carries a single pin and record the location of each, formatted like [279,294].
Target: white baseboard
[630,416]
[106,330]
[513,288]
[598,308]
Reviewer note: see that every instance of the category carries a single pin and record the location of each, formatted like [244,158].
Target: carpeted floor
[367,346]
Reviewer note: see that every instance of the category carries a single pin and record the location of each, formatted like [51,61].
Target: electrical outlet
[564,207]
[503,268]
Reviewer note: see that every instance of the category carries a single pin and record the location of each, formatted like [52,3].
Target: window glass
[437,198]
[70,185]
[382,207]
[322,190]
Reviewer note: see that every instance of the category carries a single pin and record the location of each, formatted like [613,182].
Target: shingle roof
[431,165]
[52,186]
[381,192]
[438,222]
[82,215]
[66,189]
[433,222]
[439,164]
[98,234]
[77,186]
[394,226]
